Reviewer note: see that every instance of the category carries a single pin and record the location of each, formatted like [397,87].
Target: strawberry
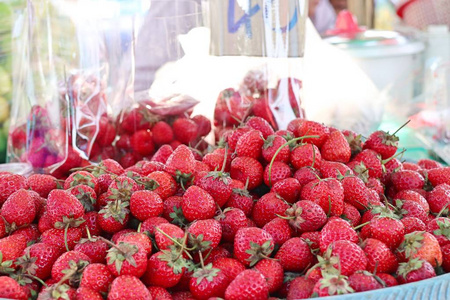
[251,244]
[307,174]
[10,289]
[446,257]
[354,140]
[306,215]
[439,199]
[158,292]
[64,209]
[294,124]
[308,128]
[142,142]
[38,260]
[294,255]
[414,270]
[383,143]
[350,256]
[57,292]
[92,224]
[351,214]
[333,169]
[203,123]
[11,247]
[208,282]
[328,193]
[127,258]
[279,229]
[205,234]
[162,154]
[197,204]
[247,168]
[267,208]
[362,281]
[163,270]
[428,164]
[422,245]
[230,267]
[42,184]
[166,185]
[372,161]
[128,287]
[138,238]
[413,224]
[230,108]
[231,220]
[87,293]
[235,135]
[162,241]
[411,166]
[9,183]
[288,189]
[388,279]
[81,177]
[55,237]
[248,285]
[217,253]
[19,209]
[413,196]
[217,184]
[388,230]
[312,238]
[332,284]
[95,248]
[379,257]
[185,130]
[355,192]
[440,228]
[305,155]
[272,144]
[96,277]
[300,288]
[240,198]
[181,164]
[411,209]
[250,144]
[336,148]
[85,195]
[162,133]
[146,204]
[439,176]
[336,229]
[407,180]
[272,272]
[258,123]
[276,172]
[70,264]
[114,216]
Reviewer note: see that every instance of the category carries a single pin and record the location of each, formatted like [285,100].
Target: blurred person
[339,5]
[322,14]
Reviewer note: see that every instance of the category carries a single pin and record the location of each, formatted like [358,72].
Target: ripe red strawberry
[272,272]
[328,193]
[333,169]
[166,185]
[440,228]
[446,257]
[300,288]
[72,261]
[235,135]
[258,123]
[208,282]
[142,142]
[64,209]
[11,247]
[217,184]
[312,238]
[57,291]
[146,204]
[95,248]
[354,140]
[251,244]
[128,287]
[205,234]
[92,224]
[411,166]
[19,209]
[364,281]
[162,133]
[81,177]
[439,176]
[247,168]
[9,183]
[439,198]
[38,260]
[87,293]
[410,208]
[10,289]
[230,108]
[162,154]
[185,130]
[413,224]
[276,172]
[197,204]
[271,145]
[158,292]
[351,257]
[216,253]
[181,163]
[351,214]
[383,143]
[388,279]
[379,257]
[114,216]
[203,123]
[295,255]
[162,271]
[308,128]
[230,267]
[355,192]
[331,285]
[127,258]
[267,208]
[428,164]
[250,144]
[422,245]
[407,180]
[306,215]
[307,174]
[55,237]
[240,198]
[336,148]
[305,155]
[288,189]
[96,277]
[248,285]
[372,162]
[231,220]
[162,241]
[388,230]
[172,209]
[335,230]
[42,184]
[85,195]
[413,196]
[138,238]
[279,229]
[414,270]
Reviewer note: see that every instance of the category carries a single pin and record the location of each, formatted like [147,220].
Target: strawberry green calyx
[123,191]
[149,184]
[362,172]
[116,209]
[206,273]
[220,176]
[383,212]
[183,179]
[444,228]
[75,271]
[197,243]
[82,179]
[178,217]
[336,284]
[86,199]
[174,260]
[355,143]
[117,254]
[58,291]
[5,266]
[405,268]
[69,222]
[26,263]
[258,252]
[294,216]
[412,243]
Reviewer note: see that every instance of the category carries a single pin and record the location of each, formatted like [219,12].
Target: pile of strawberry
[310,210]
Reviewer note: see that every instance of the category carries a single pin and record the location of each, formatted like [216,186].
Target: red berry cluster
[310,210]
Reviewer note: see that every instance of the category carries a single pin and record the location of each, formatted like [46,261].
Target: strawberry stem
[65,237]
[361,225]
[224,159]
[35,278]
[400,128]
